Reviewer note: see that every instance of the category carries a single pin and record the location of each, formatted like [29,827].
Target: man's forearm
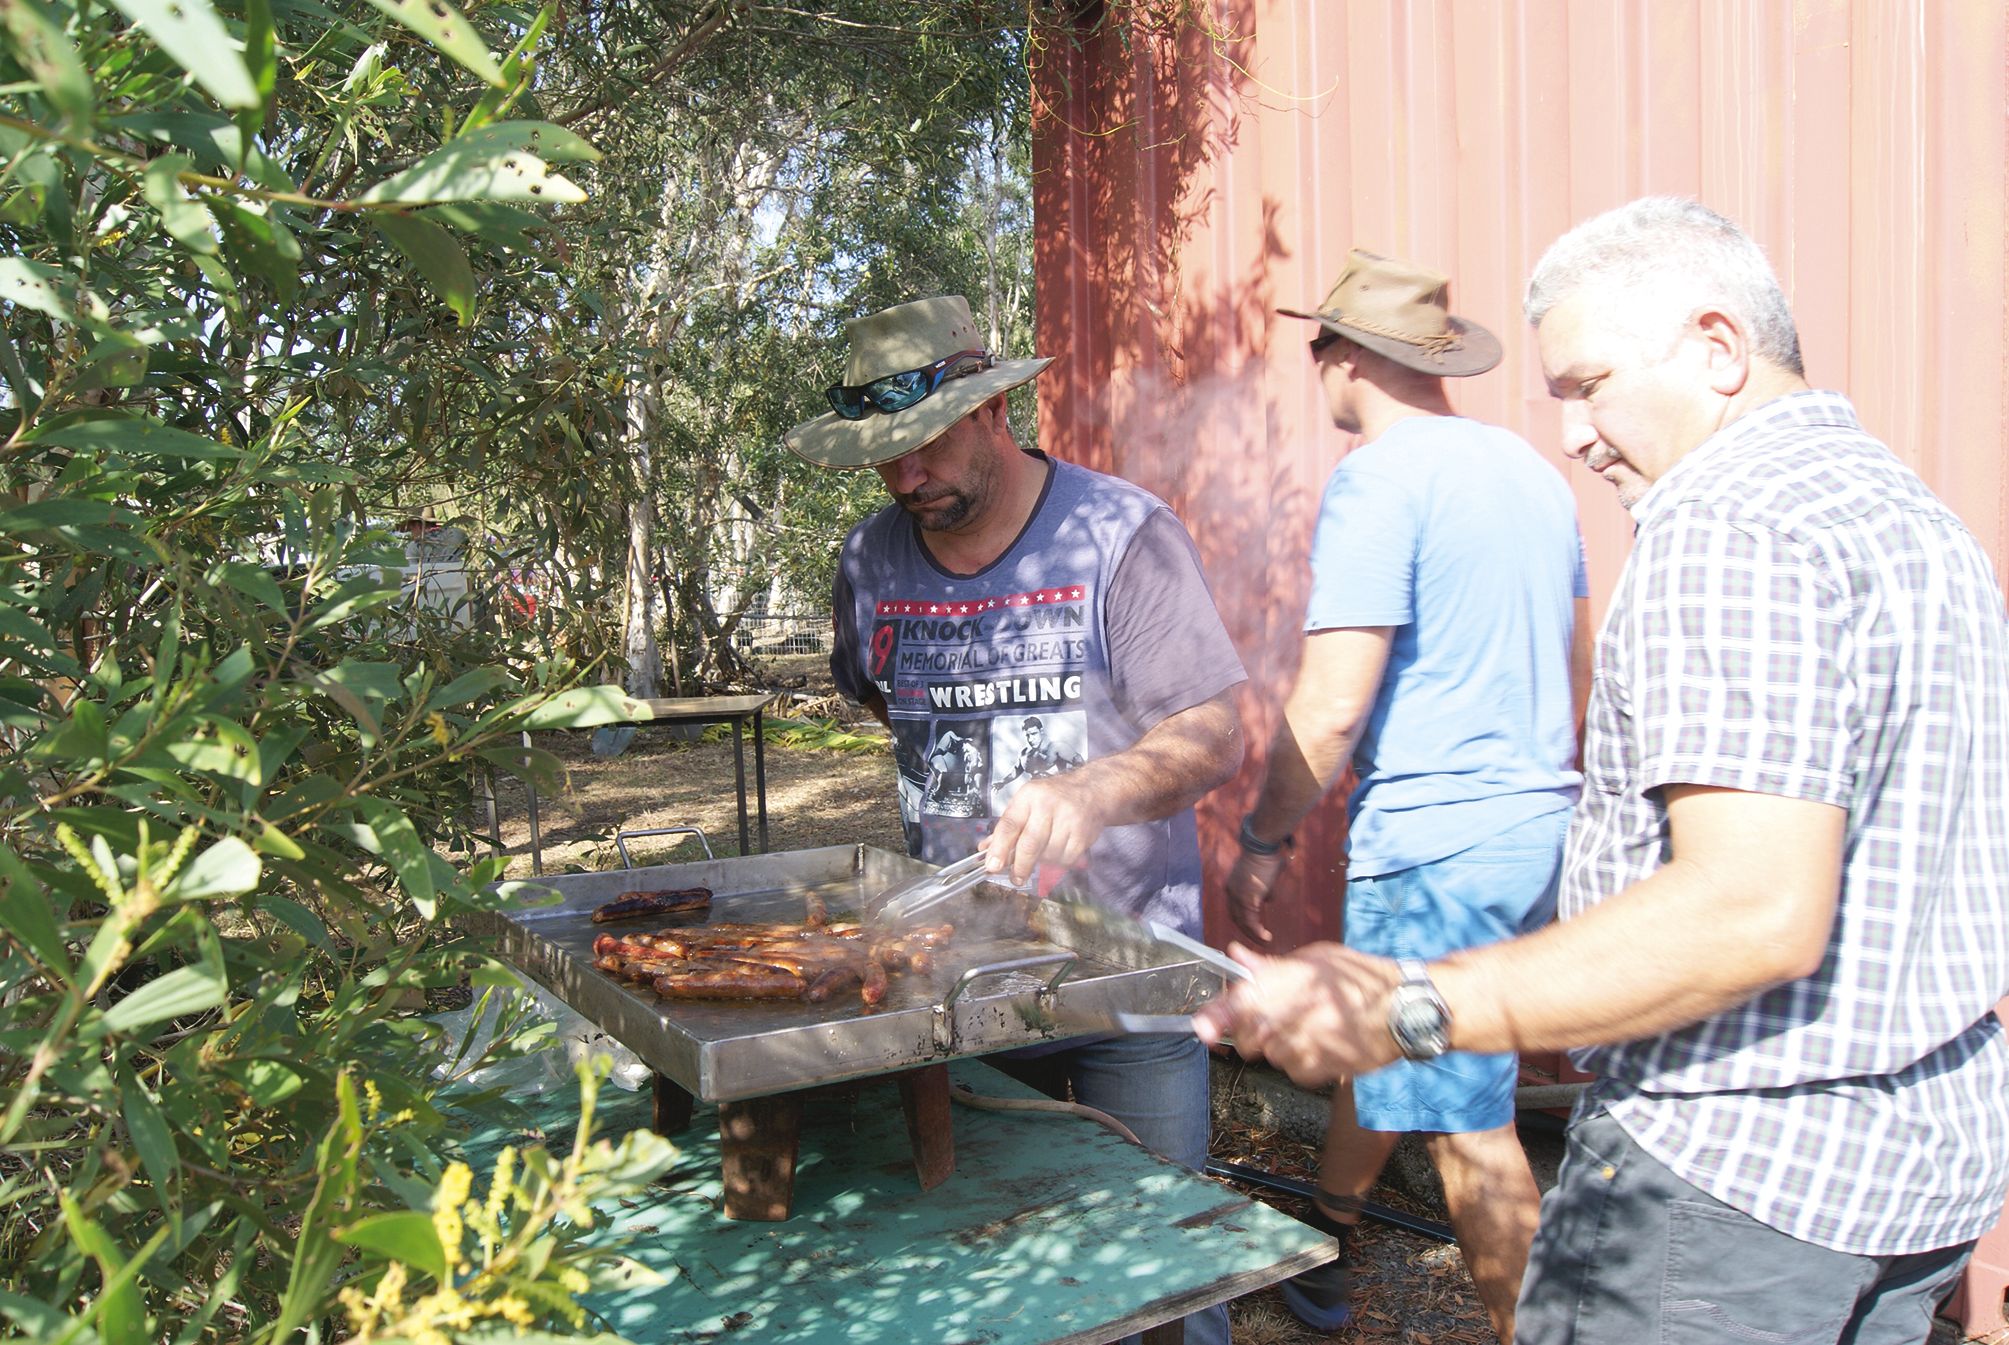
[1752,908]
[1307,754]
[1339,676]
[1177,762]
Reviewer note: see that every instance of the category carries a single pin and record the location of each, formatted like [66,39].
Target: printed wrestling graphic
[957,770]
[1034,746]
[984,694]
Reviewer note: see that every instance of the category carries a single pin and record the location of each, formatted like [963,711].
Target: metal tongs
[904,900]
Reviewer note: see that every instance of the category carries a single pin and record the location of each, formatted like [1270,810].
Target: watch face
[1417,1022]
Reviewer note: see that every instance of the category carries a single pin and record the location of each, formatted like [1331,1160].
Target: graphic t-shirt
[1093,626]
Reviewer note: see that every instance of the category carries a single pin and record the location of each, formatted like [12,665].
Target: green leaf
[138,436]
[185,990]
[48,290]
[118,361]
[153,1140]
[190,32]
[118,1306]
[467,687]
[316,1255]
[266,1082]
[298,919]
[229,750]
[447,29]
[40,1320]
[60,512]
[218,145]
[377,683]
[272,841]
[504,162]
[227,869]
[585,708]
[629,1167]
[440,259]
[351,596]
[503,225]
[255,582]
[81,740]
[405,1235]
[261,54]
[257,241]
[534,764]
[399,844]
[184,218]
[41,46]
[26,915]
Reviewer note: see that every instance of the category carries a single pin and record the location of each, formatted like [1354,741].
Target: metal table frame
[739,711]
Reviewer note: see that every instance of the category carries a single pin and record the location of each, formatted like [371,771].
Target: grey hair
[1672,246]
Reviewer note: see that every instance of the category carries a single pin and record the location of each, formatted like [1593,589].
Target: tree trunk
[638,640]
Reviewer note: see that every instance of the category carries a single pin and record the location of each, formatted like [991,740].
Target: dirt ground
[1408,1289]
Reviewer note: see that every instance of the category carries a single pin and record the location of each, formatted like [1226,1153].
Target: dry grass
[1406,1288]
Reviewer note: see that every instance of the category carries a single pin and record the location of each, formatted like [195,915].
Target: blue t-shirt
[1461,537]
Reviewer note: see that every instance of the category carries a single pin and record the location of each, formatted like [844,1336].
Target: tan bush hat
[1401,312]
[908,336]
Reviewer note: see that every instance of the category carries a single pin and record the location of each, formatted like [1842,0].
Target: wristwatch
[1418,1017]
[1256,845]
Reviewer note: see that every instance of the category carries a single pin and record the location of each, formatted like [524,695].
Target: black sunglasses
[1325,337]
[897,392]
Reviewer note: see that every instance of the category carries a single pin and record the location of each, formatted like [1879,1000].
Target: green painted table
[1050,1230]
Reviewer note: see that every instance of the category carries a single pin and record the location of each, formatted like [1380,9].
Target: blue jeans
[1155,1085]
[1628,1252]
[1493,891]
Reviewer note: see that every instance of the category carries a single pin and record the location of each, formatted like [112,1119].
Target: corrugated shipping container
[1190,178]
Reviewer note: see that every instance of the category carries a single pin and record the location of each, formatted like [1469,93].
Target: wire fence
[783,633]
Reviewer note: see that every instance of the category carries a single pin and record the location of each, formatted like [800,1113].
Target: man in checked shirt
[1786,895]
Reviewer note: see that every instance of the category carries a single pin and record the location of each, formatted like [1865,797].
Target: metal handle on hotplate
[621,839]
[945,1021]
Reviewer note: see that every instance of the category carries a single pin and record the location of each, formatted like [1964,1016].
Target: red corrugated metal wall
[1190,178]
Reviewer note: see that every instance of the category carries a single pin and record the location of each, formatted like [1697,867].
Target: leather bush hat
[909,336]
[1400,312]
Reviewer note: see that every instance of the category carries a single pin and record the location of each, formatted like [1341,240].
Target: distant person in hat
[1785,912]
[999,584]
[1447,591]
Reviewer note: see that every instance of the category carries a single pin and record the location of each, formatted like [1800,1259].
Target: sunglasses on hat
[897,392]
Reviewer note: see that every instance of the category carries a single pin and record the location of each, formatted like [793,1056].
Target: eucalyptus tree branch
[713,19]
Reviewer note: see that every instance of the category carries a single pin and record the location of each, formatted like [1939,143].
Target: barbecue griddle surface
[723,1050]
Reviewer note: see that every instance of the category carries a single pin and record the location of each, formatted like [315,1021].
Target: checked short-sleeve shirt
[1801,617]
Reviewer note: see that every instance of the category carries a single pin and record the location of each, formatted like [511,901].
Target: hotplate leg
[1171,1333]
[758,1139]
[924,1095]
[673,1106]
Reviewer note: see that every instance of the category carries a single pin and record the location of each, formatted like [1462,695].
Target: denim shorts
[1495,890]
[1629,1253]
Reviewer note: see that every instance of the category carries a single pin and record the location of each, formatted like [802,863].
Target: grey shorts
[1630,1254]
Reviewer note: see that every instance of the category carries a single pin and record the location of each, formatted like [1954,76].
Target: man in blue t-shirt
[1441,659]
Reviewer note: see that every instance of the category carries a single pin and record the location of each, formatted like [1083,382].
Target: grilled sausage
[736,982]
[829,982]
[631,904]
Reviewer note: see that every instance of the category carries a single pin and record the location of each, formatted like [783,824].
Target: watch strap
[1256,845]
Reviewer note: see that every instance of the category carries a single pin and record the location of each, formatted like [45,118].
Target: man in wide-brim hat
[1447,590]
[1001,583]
